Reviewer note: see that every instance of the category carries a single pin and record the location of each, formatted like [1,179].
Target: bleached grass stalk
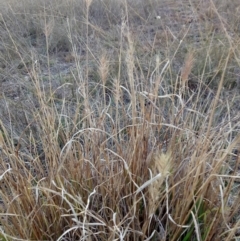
[223,207]
[8,170]
[149,182]
[197,229]
[85,213]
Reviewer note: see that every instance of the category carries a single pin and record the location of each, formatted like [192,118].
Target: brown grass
[136,137]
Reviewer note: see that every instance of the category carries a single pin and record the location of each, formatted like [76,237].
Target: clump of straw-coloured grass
[132,155]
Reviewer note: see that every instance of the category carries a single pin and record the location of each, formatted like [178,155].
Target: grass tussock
[116,124]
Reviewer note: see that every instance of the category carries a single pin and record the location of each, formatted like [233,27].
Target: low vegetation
[119,120]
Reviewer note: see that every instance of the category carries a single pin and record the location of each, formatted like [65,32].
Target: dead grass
[135,136]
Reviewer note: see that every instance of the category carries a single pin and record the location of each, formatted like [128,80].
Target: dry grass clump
[116,143]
